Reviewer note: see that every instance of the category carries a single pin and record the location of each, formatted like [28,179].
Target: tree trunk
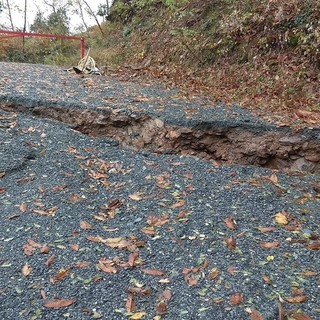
[9,14]
[94,16]
[24,24]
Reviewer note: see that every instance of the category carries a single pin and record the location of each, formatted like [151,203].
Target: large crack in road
[280,148]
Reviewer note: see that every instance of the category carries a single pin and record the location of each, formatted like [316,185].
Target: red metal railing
[13,34]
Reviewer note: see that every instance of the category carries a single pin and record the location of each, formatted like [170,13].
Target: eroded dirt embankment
[279,148]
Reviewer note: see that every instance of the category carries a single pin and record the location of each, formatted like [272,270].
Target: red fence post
[82,47]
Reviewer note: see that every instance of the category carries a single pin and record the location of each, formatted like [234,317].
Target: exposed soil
[278,149]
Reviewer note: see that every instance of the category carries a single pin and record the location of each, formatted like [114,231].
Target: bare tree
[9,14]
[78,2]
[25,22]
[90,11]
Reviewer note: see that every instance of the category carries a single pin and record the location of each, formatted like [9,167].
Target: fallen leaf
[297,299]
[108,268]
[74,247]
[138,315]
[178,204]
[50,260]
[231,243]
[266,229]
[75,198]
[153,272]
[59,188]
[281,218]
[230,223]
[314,246]
[269,245]
[232,270]
[23,207]
[130,305]
[150,230]
[161,307]
[85,225]
[140,291]
[136,196]
[255,315]
[236,298]
[132,258]
[190,280]
[44,249]
[59,303]
[273,178]
[26,270]
[62,274]
[82,264]
[167,294]
[43,294]
[266,279]
[299,316]
[214,272]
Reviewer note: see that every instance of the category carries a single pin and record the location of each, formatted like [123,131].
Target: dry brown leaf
[297,299]
[266,229]
[230,223]
[62,274]
[231,269]
[140,291]
[299,316]
[281,311]
[23,207]
[182,213]
[50,260]
[132,259]
[150,230]
[84,225]
[281,218]
[75,198]
[190,280]
[34,243]
[236,298]
[26,270]
[108,268]
[161,307]
[43,294]
[74,247]
[3,190]
[59,303]
[82,264]
[214,272]
[136,196]
[269,245]
[153,272]
[167,294]
[255,315]
[314,246]
[273,178]
[178,204]
[44,249]
[130,305]
[266,279]
[231,243]
[59,188]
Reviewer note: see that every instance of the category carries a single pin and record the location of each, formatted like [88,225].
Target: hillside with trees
[262,54]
